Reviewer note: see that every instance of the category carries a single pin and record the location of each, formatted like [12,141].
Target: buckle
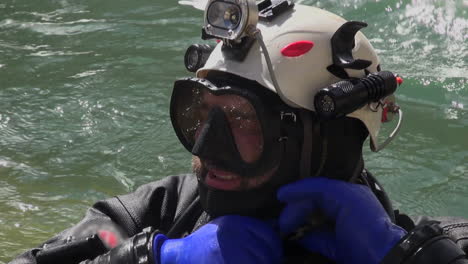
[286,114]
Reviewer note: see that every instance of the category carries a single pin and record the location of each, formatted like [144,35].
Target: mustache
[197,166]
[200,168]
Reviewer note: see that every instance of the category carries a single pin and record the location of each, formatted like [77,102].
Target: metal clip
[291,114]
[374,106]
[392,135]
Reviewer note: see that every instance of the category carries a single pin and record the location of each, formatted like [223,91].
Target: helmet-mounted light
[230,19]
[234,22]
[196,56]
[346,96]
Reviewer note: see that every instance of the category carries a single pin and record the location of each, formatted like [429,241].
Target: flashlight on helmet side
[346,96]
[196,56]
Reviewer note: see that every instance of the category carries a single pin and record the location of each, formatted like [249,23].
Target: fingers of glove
[226,240]
[253,251]
[328,187]
[231,221]
[240,227]
[248,240]
[315,191]
[320,241]
[295,215]
[331,195]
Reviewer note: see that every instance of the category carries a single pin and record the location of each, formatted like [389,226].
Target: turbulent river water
[85,88]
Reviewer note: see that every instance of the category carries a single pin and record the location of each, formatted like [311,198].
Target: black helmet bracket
[342,44]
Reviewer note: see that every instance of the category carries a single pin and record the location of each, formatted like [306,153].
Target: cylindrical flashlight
[196,56]
[346,96]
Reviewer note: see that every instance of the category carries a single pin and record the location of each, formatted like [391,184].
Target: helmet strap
[319,129]
[313,142]
[306,151]
[338,152]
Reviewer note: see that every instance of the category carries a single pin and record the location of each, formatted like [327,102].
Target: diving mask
[238,129]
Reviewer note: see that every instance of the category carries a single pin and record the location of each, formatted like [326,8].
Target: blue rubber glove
[227,239]
[363,232]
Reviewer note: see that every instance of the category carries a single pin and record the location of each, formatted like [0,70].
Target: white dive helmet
[301,77]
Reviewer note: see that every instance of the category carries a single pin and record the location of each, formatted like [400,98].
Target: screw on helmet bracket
[342,44]
[233,49]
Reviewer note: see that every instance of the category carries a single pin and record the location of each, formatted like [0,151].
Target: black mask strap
[306,151]
[320,130]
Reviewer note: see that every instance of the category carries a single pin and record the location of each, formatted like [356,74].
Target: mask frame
[267,110]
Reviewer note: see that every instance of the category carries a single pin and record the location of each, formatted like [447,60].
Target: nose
[215,141]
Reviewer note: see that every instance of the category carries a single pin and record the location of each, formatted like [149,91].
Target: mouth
[221,179]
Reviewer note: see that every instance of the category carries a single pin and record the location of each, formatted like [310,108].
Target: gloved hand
[227,239]
[362,232]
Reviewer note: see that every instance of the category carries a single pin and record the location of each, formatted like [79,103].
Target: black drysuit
[171,205]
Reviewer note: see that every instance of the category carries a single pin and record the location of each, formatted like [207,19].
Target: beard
[247,182]
[259,201]
[197,167]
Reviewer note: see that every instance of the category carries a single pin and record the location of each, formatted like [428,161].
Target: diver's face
[247,134]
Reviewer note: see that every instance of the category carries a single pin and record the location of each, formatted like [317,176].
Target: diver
[276,118]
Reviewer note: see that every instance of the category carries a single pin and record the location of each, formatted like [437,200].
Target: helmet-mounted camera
[235,23]
[230,19]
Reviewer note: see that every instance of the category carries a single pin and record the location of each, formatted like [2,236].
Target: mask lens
[192,109]
[224,15]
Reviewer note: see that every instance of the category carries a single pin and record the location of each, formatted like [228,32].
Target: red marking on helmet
[109,238]
[399,80]
[218,40]
[297,48]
